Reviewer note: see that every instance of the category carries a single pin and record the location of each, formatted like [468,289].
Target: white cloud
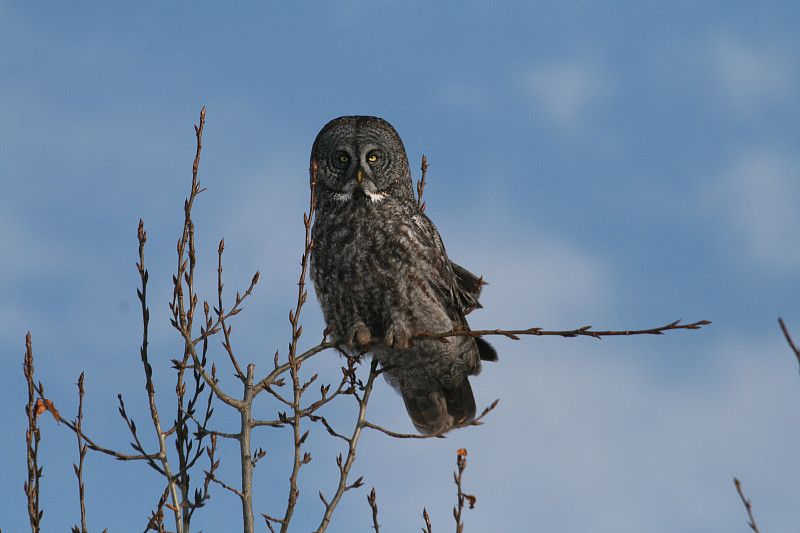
[752,76]
[536,277]
[608,432]
[757,200]
[547,282]
[566,91]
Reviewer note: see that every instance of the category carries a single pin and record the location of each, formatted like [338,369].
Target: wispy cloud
[567,91]
[756,200]
[751,76]
[615,431]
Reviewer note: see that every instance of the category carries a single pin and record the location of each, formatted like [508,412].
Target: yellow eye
[343,158]
[372,158]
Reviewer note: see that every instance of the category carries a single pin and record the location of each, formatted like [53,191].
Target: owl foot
[397,338]
[359,335]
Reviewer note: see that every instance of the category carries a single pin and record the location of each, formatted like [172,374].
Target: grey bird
[382,275]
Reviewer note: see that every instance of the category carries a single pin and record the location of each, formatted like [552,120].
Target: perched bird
[382,275]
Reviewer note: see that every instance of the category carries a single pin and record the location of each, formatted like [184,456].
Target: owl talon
[397,338]
[360,335]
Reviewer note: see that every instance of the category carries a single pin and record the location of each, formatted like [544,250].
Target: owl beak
[358,176]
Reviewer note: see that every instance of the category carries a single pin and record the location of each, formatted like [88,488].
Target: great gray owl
[382,275]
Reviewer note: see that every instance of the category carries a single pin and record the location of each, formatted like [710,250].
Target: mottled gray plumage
[382,275]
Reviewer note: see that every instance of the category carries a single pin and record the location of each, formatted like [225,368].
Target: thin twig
[184,441]
[441,435]
[32,436]
[282,369]
[137,445]
[345,387]
[270,520]
[226,486]
[44,404]
[226,331]
[427,528]
[789,339]
[371,499]
[746,502]
[300,458]
[148,371]
[347,463]
[421,184]
[209,474]
[182,316]
[156,521]
[461,463]
[397,435]
[585,331]
[208,378]
[211,329]
[331,431]
[81,454]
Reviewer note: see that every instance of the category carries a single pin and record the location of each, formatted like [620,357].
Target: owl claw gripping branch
[380,271]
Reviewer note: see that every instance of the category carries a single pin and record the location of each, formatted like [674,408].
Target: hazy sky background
[620,165]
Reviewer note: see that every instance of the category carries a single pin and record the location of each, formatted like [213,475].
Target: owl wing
[457,287]
[443,279]
[468,287]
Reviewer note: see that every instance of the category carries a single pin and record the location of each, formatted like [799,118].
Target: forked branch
[347,463]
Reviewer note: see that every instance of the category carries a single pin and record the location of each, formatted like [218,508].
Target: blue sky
[619,165]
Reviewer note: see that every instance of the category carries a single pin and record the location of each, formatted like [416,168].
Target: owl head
[360,160]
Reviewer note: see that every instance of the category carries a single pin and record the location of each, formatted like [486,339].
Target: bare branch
[245,455]
[270,520]
[421,183]
[270,423]
[789,339]
[148,370]
[91,443]
[44,404]
[32,436]
[281,369]
[371,499]
[299,458]
[226,331]
[746,502]
[403,435]
[442,435]
[427,528]
[81,454]
[331,431]
[461,462]
[345,387]
[208,378]
[156,521]
[344,466]
[584,331]
[225,486]
[211,328]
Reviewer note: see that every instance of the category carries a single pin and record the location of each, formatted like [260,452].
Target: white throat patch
[375,197]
